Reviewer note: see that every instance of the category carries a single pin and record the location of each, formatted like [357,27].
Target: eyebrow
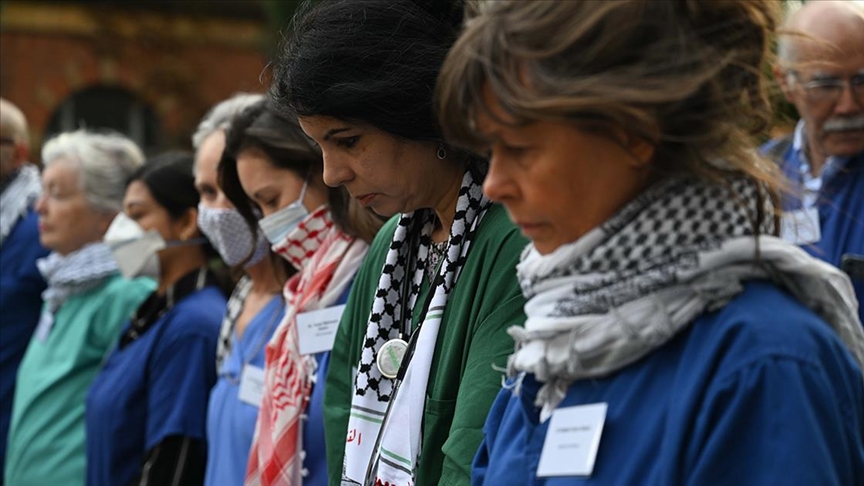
[334,131]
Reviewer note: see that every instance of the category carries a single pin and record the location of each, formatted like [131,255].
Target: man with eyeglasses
[821,72]
[21,284]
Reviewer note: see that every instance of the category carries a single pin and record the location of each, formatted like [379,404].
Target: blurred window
[107,107]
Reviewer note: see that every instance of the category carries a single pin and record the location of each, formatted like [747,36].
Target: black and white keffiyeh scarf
[400,440]
[229,322]
[75,273]
[18,197]
[684,247]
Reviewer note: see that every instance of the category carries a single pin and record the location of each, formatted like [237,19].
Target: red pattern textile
[317,249]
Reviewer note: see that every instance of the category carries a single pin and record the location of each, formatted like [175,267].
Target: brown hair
[686,75]
[280,138]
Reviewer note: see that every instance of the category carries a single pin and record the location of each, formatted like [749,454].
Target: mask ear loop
[303,191]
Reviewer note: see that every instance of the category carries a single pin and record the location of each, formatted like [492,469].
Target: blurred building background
[149,69]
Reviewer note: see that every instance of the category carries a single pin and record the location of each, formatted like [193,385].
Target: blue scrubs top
[231,422]
[760,392]
[841,210]
[155,387]
[21,287]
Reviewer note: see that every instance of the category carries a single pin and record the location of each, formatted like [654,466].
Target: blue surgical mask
[279,225]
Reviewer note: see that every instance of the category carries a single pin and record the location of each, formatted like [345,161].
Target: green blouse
[470,353]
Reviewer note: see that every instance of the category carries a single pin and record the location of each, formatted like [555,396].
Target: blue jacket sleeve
[780,421]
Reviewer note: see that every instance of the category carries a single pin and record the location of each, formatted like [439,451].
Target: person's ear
[186,226]
[641,150]
[21,155]
[781,76]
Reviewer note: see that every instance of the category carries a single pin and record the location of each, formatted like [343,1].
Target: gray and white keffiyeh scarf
[682,248]
[75,273]
[18,197]
[229,322]
[400,440]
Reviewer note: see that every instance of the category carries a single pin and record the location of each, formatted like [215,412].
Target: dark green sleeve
[501,305]
[339,385]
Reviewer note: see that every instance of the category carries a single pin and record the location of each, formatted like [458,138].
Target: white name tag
[316,330]
[801,227]
[572,441]
[252,385]
[43,329]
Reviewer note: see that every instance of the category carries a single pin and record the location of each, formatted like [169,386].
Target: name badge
[252,385]
[801,227]
[316,330]
[572,441]
[43,329]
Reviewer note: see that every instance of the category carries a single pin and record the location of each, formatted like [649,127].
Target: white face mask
[279,225]
[134,250]
[228,233]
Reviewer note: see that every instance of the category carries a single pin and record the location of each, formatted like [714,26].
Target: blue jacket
[840,205]
[21,287]
[761,392]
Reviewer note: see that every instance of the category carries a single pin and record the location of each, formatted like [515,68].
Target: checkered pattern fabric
[372,390]
[18,197]
[229,322]
[683,248]
[75,273]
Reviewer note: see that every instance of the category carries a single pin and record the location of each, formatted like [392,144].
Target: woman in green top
[86,304]
[413,369]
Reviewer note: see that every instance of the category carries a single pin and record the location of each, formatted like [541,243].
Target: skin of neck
[186,259]
[264,278]
[445,201]
[815,156]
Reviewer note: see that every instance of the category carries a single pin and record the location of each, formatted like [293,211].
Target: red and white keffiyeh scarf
[327,261]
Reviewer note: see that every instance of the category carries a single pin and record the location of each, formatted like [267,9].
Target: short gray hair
[106,160]
[219,117]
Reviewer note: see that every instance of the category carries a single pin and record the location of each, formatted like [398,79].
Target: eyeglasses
[7,141]
[829,89]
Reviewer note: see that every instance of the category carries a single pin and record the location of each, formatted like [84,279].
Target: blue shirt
[761,392]
[155,387]
[21,287]
[230,421]
[839,201]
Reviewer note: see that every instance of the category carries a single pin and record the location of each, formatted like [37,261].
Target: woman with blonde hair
[671,337]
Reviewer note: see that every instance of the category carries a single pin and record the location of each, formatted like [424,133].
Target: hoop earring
[442,153]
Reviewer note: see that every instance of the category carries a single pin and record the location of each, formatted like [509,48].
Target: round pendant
[390,357]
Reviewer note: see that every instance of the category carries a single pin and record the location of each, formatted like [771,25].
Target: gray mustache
[843,124]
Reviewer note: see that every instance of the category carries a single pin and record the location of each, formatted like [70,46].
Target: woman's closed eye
[347,142]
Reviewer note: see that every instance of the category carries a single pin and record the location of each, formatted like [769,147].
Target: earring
[442,153]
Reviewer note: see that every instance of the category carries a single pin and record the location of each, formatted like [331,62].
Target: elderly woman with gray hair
[85,305]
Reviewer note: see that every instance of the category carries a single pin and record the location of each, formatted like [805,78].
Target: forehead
[209,154]
[839,52]
[138,193]
[319,126]
[489,116]
[61,172]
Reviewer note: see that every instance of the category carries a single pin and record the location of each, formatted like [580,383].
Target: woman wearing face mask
[86,304]
[147,408]
[255,307]
[270,167]
[672,338]
[413,372]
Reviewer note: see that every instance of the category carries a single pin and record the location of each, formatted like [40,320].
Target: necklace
[436,255]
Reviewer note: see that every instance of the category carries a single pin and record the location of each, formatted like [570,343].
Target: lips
[367,199]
